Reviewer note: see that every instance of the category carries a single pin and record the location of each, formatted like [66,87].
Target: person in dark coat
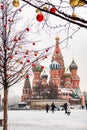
[47,108]
[53,107]
[65,107]
[86,106]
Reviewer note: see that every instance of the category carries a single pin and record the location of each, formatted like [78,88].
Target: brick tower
[27,91]
[59,59]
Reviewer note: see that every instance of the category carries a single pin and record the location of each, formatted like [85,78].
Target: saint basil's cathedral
[63,83]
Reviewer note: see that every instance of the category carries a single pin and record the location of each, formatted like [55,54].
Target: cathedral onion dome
[44,75]
[37,68]
[73,65]
[67,74]
[54,65]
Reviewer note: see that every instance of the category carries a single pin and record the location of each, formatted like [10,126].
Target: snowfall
[40,120]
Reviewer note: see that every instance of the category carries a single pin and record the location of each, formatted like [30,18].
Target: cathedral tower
[27,91]
[75,78]
[59,59]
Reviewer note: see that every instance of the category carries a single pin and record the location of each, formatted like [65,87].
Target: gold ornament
[45,8]
[16,3]
[37,11]
[75,3]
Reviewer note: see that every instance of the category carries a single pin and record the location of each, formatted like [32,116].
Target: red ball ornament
[45,56]
[33,64]
[27,29]
[24,56]
[9,20]
[42,67]
[11,57]
[28,61]
[16,53]
[53,10]
[4,26]
[40,17]
[33,43]
[8,48]
[15,39]
[2,7]
[46,50]
[27,76]
[21,62]
[27,52]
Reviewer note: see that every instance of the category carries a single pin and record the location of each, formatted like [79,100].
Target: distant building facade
[63,83]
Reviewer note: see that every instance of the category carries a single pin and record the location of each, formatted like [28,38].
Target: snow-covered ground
[40,120]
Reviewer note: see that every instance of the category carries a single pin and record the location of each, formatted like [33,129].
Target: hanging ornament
[21,62]
[28,61]
[24,56]
[37,11]
[18,61]
[27,76]
[42,67]
[36,53]
[19,38]
[16,53]
[4,26]
[33,43]
[15,39]
[75,3]
[33,64]
[45,8]
[11,57]
[8,48]
[40,17]
[9,20]
[19,46]
[15,3]
[27,29]
[53,10]
[27,52]
[2,6]
[46,50]
[45,56]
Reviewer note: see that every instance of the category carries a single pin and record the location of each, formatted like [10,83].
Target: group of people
[52,107]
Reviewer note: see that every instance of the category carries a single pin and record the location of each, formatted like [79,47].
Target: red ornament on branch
[15,39]
[40,17]
[53,10]
[33,64]
[42,67]
[28,61]
[11,57]
[4,26]
[27,29]
[27,76]
[33,43]
[2,6]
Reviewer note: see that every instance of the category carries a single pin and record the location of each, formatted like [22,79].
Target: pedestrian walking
[86,106]
[65,107]
[47,107]
[68,109]
[53,107]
